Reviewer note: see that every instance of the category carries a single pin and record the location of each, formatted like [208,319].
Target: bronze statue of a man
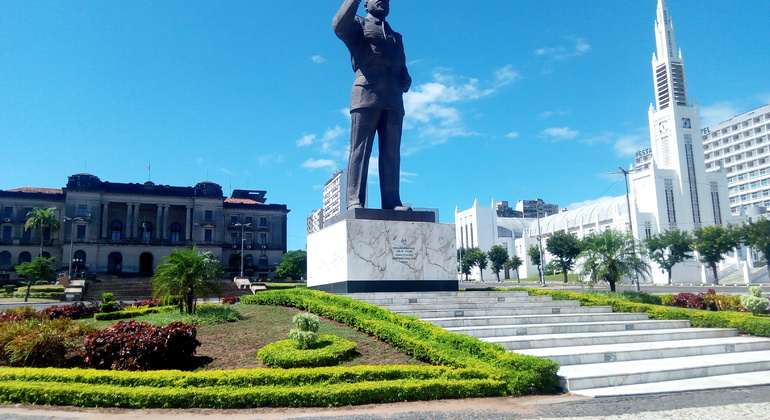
[376,103]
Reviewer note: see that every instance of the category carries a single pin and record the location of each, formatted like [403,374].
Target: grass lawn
[234,345]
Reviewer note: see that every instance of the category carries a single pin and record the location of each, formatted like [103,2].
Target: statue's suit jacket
[377,56]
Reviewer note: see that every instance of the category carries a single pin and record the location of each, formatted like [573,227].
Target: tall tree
[713,242]
[611,255]
[565,247]
[757,234]
[42,219]
[39,268]
[475,257]
[534,255]
[293,264]
[669,248]
[498,256]
[465,265]
[514,263]
[188,274]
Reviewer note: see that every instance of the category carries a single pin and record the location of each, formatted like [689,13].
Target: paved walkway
[742,403]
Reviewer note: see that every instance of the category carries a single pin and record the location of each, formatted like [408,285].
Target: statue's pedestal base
[383,254]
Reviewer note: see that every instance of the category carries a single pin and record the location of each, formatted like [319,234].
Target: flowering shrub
[231,300]
[690,300]
[148,303]
[77,310]
[132,345]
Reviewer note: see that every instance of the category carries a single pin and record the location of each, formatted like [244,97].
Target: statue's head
[377,8]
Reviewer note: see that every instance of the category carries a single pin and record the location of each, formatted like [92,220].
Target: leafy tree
[565,247]
[293,264]
[189,274]
[39,268]
[514,263]
[757,234]
[498,256]
[42,219]
[713,242]
[534,255]
[610,255]
[464,262]
[475,257]
[669,248]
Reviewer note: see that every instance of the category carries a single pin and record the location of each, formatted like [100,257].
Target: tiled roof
[38,190]
[241,201]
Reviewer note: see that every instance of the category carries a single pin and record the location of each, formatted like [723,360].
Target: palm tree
[188,274]
[42,219]
[610,255]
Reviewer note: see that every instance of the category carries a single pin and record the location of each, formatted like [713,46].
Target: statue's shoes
[402,208]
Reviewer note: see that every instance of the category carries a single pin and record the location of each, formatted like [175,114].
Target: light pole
[540,247]
[630,222]
[72,241]
[243,228]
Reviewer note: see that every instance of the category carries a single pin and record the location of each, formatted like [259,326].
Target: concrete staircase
[601,353]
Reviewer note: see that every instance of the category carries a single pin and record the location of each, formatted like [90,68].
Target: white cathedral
[669,185]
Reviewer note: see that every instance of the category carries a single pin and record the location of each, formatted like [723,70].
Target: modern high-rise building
[741,146]
[335,195]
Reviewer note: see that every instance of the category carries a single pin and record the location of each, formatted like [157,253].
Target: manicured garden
[425,362]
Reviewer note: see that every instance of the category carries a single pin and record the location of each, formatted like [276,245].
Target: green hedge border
[464,367]
[744,322]
[131,313]
[329,350]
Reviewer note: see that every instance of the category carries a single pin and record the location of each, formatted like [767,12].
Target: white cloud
[506,76]
[560,133]
[714,114]
[629,144]
[318,59]
[306,140]
[263,160]
[226,171]
[574,206]
[579,47]
[512,135]
[319,164]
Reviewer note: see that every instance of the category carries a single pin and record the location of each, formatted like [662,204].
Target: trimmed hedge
[130,313]
[423,340]
[744,322]
[328,350]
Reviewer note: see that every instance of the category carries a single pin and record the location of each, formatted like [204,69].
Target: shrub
[41,283]
[9,289]
[666,300]
[132,345]
[148,303]
[18,314]
[129,313]
[306,333]
[108,303]
[77,310]
[753,304]
[40,342]
[755,291]
[328,350]
[690,301]
[230,300]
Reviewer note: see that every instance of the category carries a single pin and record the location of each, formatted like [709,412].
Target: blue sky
[511,100]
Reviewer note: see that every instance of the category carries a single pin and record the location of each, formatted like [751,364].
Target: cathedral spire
[668,65]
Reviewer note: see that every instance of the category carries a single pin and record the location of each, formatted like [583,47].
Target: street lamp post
[540,247]
[72,242]
[630,223]
[243,240]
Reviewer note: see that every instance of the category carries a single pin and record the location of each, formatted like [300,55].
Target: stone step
[417,295]
[466,305]
[735,380]
[568,328]
[535,319]
[596,338]
[566,356]
[452,300]
[600,375]
[481,313]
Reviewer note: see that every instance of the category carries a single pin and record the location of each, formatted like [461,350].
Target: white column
[105,220]
[135,233]
[129,220]
[187,223]
[159,222]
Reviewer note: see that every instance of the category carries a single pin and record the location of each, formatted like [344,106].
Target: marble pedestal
[357,255]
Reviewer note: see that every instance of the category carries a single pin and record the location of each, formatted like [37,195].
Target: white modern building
[740,145]
[670,187]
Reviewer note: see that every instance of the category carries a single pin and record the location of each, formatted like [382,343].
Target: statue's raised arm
[344,21]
